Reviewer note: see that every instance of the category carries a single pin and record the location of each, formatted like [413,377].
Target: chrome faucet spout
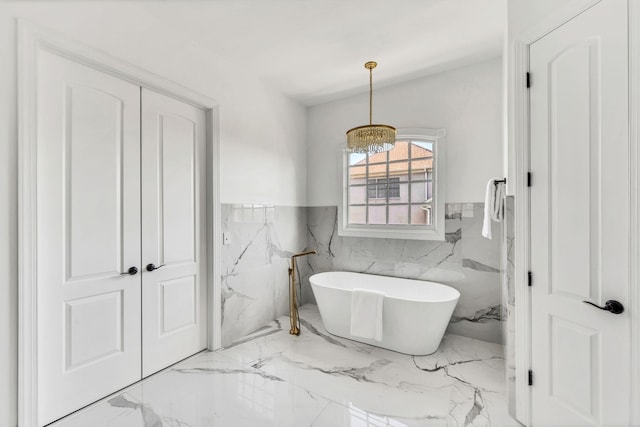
[293,299]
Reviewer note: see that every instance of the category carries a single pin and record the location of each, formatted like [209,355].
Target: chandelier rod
[370,95]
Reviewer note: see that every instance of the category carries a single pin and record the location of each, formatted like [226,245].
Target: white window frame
[434,231]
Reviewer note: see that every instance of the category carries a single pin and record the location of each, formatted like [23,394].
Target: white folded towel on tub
[366,314]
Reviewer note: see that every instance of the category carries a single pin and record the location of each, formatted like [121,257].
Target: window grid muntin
[386,218]
[409,150]
[398,182]
[390,204]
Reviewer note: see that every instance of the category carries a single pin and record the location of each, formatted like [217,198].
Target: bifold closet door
[88,234]
[174,309]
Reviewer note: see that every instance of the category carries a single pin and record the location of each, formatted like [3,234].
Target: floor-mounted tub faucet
[293,299]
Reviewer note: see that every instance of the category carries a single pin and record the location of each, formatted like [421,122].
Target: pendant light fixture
[371,138]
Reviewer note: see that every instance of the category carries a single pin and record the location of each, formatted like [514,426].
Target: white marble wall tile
[255,280]
[465,260]
[508,301]
[263,238]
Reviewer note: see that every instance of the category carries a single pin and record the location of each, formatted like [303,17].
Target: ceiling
[314,50]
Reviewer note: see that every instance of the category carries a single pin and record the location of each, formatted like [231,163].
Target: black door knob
[132,271]
[151,267]
[612,306]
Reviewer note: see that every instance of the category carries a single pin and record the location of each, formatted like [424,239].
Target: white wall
[466,101]
[523,15]
[263,133]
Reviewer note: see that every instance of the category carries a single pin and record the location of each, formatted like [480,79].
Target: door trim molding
[31,39]
[518,133]
[634,162]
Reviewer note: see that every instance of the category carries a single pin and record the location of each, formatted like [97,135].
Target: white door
[88,234]
[580,220]
[173,231]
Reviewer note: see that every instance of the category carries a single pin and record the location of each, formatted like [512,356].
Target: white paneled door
[173,228]
[88,222]
[121,272]
[580,221]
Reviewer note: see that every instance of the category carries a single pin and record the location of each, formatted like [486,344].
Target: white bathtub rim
[454,294]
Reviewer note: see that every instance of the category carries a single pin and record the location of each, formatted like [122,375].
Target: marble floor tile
[336,415]
[206,390]
[271,378]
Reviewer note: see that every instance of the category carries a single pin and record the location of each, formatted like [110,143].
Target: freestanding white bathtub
[415,313]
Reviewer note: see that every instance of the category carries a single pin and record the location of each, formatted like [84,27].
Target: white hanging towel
[493,205]
[366,314]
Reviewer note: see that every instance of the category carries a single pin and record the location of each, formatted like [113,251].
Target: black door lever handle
[611,305]
[132,271]
[151,267]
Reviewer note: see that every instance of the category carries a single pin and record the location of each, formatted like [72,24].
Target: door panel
[574,379]
[575,148]
[176,189]
[93,329]
[173,226]
[88,221]
[580,220]
[93,156]
[178,304]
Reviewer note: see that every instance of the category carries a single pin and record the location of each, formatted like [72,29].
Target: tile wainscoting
[263,238]
[464,260]
[255,263]
[509,301]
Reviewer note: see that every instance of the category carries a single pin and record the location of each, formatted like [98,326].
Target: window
[394,194]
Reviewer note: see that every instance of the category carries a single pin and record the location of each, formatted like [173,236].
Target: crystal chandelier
[371,138]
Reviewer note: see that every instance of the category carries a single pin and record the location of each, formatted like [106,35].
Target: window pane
[357,158]
[400,151]
[378,214]
[420,168]
[398,191]
[357,215]
[399,170]
[420,192]
[378,158]
[421,214]
[418,176]
[421,149]
[357,175]
[357,195]
[399,214]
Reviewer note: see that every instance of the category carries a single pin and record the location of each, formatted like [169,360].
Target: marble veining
[464,260]
[483,315]
[271,378]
